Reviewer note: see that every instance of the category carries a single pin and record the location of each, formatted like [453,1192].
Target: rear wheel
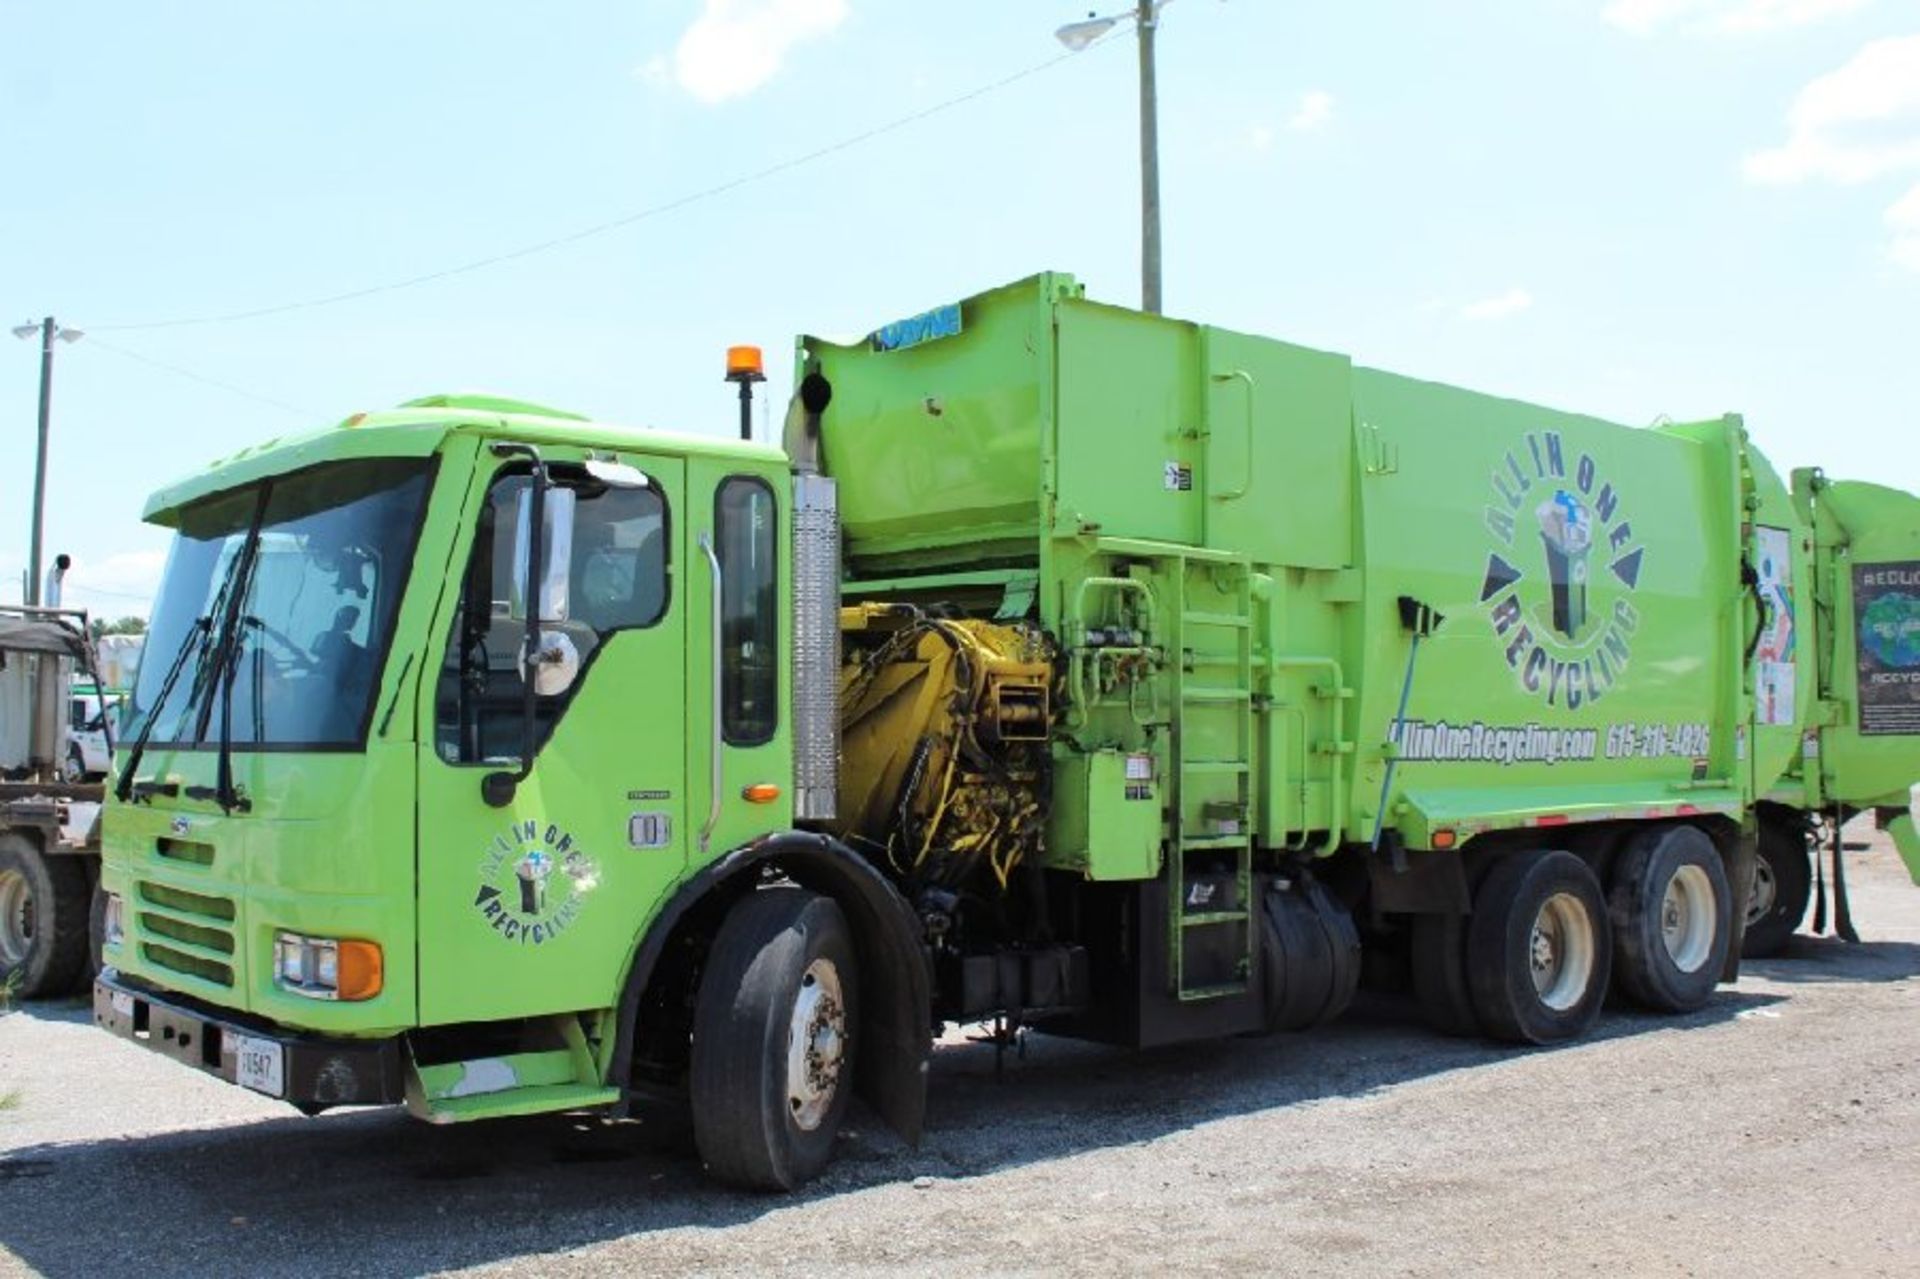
[43,919]
[1440,974]
[774,1034]
[1672,915]
[1778,892]
[1539,953]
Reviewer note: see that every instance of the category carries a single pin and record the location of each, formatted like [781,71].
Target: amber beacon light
[745,366]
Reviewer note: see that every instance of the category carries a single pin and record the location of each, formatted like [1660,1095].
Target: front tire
[1672,914]
[1778,893]
[43,919]
[774,1033]
[1539,953]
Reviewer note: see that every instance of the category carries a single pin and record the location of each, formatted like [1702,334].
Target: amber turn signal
[1444,839]
[760,793]
[362,970]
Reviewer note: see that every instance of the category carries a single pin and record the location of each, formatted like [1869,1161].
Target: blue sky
[1627,207]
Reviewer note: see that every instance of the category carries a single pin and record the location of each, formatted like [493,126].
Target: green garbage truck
[1067,667]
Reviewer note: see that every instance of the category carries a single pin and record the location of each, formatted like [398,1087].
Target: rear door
[1868,567]
[532,906]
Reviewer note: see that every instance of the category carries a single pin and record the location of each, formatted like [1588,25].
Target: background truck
[49,811]
[1070,667]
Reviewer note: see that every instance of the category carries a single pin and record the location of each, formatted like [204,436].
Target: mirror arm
[497,789]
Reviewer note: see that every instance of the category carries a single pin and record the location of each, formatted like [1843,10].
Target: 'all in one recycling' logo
[533,882]
[1560,580]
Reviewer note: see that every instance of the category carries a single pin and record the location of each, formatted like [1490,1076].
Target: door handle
[1246,472]
[713,736]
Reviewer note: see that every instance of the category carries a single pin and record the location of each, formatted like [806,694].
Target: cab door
[531,905]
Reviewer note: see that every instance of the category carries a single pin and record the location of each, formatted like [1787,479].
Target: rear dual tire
[1672,915]
[1778,893]
[1539,952]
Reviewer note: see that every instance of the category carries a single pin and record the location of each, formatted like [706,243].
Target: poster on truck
[1886,610]
[1773,654]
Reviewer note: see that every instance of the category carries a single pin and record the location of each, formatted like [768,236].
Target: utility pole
[48,331]
[1146,18]
[1081,35]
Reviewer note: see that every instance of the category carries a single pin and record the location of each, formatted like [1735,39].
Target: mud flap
[1906,838]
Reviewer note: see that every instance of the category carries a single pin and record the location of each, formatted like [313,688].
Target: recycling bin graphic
[1566,529]
[532,873]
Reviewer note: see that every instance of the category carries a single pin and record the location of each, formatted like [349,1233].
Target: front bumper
[316,1072]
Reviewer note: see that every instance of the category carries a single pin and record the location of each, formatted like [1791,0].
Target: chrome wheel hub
[1762,891]
[816,1044]
[16,918]
[1561,952]
[1687,918]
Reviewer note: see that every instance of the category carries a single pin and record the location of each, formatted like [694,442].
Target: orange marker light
[1444,839]
[760,793]
[745,365]
[362,972]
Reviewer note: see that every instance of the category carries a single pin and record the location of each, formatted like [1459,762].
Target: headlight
[112,931]
[326,968]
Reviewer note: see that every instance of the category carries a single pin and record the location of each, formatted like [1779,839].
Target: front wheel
[1539,953]
[774,1032]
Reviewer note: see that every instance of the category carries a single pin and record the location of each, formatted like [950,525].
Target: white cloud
[1512,302]
[735,46]
[1260,138]
[1904,221]
[1645,17]
[120,584]
[1314,112]
[1854,124]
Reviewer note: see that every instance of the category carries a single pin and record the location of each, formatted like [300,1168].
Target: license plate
[121,1002]
[258,1064]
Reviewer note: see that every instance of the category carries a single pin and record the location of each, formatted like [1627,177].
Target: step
[1200,843]
[541,1099]
[1214,992]
[1201,767]
[1236,620]
[1214,917]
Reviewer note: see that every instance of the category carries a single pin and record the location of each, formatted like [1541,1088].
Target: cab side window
[618,580]
[744,526]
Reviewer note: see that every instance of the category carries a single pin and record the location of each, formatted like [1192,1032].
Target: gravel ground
[1775,1132]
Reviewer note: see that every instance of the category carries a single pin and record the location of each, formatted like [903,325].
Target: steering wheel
[303,659]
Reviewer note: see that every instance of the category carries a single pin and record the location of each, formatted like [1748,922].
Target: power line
[71,585]
[175,369]
[614,224]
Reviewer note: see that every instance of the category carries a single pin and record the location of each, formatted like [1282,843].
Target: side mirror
[556,554]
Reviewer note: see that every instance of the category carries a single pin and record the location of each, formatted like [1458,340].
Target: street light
[1077,36]
[48,331]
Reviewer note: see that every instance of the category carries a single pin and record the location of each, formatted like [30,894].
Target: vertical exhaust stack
[816,608]
[56,581]
[52,685]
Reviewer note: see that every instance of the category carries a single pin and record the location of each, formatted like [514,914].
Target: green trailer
[1069,668]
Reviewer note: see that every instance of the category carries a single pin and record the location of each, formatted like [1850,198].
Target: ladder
[1211,769]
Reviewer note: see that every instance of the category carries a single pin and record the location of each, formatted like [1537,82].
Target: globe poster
[1886,609]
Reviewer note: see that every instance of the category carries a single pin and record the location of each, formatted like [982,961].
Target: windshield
[317,601]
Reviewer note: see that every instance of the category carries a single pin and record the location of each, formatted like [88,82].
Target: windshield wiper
[226,662]
[198,643]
